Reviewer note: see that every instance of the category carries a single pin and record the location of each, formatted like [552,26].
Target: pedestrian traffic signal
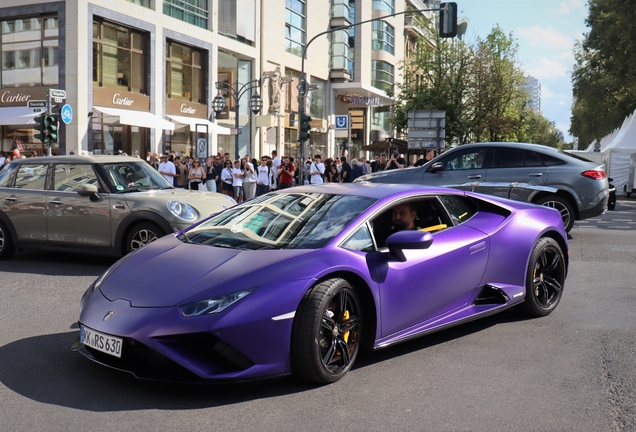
[52,127]
[448,20]
[41,128]
[304,127]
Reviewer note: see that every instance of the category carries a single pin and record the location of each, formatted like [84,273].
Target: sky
[545,31]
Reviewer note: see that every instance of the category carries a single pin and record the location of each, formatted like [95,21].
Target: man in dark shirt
[430,154]
[345,170]
[381,165]
[404,216]
[285,173]
[396,161]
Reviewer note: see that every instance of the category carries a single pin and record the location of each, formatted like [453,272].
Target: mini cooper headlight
[213,305]
[183,211]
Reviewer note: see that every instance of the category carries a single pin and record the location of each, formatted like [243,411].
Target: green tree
[604,75]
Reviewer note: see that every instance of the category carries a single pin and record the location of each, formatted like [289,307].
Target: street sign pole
[48,113]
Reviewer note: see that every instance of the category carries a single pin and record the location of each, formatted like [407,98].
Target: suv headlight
[183,211]
[213,305]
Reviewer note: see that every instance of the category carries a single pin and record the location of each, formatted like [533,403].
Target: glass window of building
[29,52]
[384,5]
[291,144]
[118,57]
[383,75]
[242,29]
[194,12]
[352,40]
[317,99]
[383,37]
[184,73]
[291,100]
[144,3]
[295,26]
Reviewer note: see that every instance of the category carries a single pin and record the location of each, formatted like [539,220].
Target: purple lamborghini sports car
[299,281]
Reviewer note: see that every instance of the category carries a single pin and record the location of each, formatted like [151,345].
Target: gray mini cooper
[543,175]
[108,205]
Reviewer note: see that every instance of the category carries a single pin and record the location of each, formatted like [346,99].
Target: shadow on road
[44,369]
[56,264]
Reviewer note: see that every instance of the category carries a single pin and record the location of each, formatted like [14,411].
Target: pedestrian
[317,170]
[196,174]
[167,169]
[210,175]
[332,174]
[227,178]
[180,170]
[396,161]
[263,177]
[345,170]
[237,181]
[286,174]
[381,165]
[249,182]
[428,155]
[356,169]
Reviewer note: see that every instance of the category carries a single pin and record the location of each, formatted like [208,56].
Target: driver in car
[404,216]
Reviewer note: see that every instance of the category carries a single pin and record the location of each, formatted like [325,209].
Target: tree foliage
[604,76]
[479,85]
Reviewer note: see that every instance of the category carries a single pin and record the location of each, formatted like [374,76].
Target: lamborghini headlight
[213,305]
[183,211]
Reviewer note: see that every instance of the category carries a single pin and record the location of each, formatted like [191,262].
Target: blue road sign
[66,113]
[342,122]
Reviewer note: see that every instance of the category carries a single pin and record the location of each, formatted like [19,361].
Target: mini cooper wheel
[6,243]
[142,234]
[326,332]
[563,206]
[545,278]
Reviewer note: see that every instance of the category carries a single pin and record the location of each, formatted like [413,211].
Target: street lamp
[236,92]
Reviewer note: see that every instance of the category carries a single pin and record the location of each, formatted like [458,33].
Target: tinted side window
[360,241]
[550,160]
[66,177]
[508,157]
[31,176]
[6,175]
[460,208]
[533,159]
[472,158]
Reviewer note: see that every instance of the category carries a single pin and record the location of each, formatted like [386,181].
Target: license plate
[101,342]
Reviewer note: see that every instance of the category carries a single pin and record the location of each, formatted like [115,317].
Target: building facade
[141,75]
[533,88]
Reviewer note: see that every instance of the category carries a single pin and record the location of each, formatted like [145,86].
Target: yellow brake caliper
[345,335]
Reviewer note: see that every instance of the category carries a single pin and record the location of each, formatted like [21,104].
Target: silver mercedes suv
[575,186]
[109,205]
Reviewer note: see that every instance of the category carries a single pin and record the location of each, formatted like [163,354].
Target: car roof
[527,146]
[78,159]
[371,190]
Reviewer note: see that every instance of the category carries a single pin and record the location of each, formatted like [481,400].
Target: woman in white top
[249,181]
[196,175]
[227,178]
[237,181]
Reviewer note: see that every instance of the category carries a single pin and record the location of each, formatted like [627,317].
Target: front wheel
[545,278]
[6,242]
[563,206]
[326,332]
[142,234]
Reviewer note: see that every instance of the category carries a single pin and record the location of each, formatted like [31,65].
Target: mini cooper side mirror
[86,190]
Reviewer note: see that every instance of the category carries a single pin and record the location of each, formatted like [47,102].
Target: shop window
[184,76]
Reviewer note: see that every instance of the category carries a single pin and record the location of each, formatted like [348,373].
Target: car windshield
[134,176]
[281,221]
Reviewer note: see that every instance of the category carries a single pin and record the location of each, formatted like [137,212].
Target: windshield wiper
[223,245]
[167,187]
[131,190]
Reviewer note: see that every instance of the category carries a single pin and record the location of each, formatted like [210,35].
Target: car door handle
[476,176]
[11,198]
[535,174]
[119,207]
[56,202]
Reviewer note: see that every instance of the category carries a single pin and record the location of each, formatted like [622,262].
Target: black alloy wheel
[6,243]
[545,278]
[563,206]
[326,332]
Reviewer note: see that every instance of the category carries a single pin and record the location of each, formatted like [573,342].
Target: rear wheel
[545,278]
[142,234]
[563,206]
[326,332]
[6,243]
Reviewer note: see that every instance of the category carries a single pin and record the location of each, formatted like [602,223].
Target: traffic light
[52,127]
[304,127]
[448,20]
[41,128]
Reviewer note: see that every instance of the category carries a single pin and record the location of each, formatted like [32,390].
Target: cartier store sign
[186,109]
[121,99]
[20,96]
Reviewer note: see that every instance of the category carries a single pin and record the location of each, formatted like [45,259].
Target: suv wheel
[563,206]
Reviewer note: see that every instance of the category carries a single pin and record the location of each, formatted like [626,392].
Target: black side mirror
[437,166]
[408,239]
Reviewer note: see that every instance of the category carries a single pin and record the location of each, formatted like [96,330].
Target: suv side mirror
[437,166]
[408,239]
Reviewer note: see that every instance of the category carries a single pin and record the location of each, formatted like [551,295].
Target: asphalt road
[571,371]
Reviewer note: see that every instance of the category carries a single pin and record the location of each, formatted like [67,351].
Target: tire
[545,278]
[140,235]
[563,206]
[326,333]
[6,242]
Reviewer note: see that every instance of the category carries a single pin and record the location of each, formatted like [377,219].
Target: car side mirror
[86,190]
[408,239]
[437,166]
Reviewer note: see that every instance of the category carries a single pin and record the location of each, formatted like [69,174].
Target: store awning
[386,146]
[17,115]
[136,118]
[192,122]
